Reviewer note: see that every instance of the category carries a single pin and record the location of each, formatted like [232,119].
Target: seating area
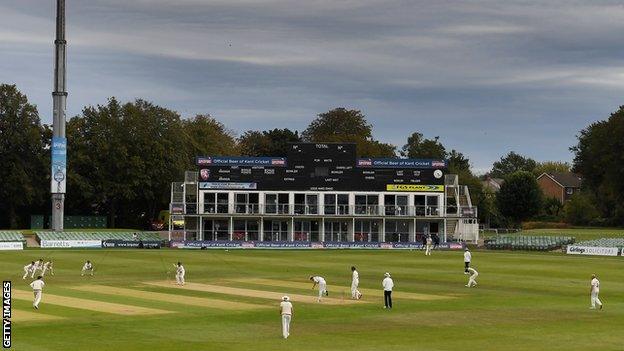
[530,243]
[604,242]
[43,235]
[11,236]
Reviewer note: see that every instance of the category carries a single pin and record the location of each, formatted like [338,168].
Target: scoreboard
[321,167]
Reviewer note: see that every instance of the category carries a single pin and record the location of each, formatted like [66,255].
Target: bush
[602,222]
[545,218]
[552,207]
[544,225]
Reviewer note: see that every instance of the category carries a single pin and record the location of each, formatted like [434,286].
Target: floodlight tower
[59,142]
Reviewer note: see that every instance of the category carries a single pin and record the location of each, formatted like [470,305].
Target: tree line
[123,156]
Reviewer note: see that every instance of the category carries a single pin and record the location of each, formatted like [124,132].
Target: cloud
[486,76]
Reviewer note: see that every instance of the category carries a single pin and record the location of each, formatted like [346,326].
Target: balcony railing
[327,210]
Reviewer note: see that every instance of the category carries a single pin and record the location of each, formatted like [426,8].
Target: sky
[487,77]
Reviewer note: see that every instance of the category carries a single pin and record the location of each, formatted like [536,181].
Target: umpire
[387,284]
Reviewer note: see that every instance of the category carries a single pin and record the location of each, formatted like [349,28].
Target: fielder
[38,266]
[180,272]
[88,267]
[28,269]
[286,311]
[594,290]
[472,281]
[467,259]
[322,286]
[355,282]
[37,287]
[47,267]
[429,245]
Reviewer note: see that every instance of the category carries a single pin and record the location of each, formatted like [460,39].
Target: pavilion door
[276,230]
[336,231]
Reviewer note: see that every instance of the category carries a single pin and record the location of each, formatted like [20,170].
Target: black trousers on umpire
[466,266]
[388,299]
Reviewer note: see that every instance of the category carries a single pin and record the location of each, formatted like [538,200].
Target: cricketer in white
[38,267]
[467,260]
[180,272]
[428,246]
[48,266]
[29,268]
[37,287]
[88,267]
[594,291]
[355,282]
[286,311]
[322,286]
[472,281]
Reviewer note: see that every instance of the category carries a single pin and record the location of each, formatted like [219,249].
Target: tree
[24,154]
[156,156]
[267,143]
[99,167]
[520,197]
[342,125]
[123,159]
[551,167]
[580,210]
[488,211]
[376,148]
[599,157]
[207,136]
[458,163]
[419,147]
[339,125]
[512,163]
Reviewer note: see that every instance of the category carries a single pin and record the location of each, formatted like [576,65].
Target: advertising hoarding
[307,245]
[590,250]
[11,245]
[92,244]
[59,165]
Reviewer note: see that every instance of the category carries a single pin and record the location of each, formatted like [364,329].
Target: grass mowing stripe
[368,292]
[91,305]
[163,297]
[18,316]
[256,293]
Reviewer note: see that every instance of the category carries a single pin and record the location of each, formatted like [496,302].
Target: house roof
[493,183]
[565,179]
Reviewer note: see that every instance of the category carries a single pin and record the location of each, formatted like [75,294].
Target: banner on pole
[59,165]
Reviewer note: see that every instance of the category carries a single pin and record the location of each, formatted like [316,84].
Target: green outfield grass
[524,301]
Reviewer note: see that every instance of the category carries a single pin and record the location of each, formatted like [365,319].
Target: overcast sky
[487,77]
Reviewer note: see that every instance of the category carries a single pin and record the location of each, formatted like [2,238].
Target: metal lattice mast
[59,142]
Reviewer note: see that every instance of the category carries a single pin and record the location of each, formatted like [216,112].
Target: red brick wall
[550,188]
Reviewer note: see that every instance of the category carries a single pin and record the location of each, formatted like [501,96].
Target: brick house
[561,186]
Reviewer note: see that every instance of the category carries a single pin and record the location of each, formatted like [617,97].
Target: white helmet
[285,298]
